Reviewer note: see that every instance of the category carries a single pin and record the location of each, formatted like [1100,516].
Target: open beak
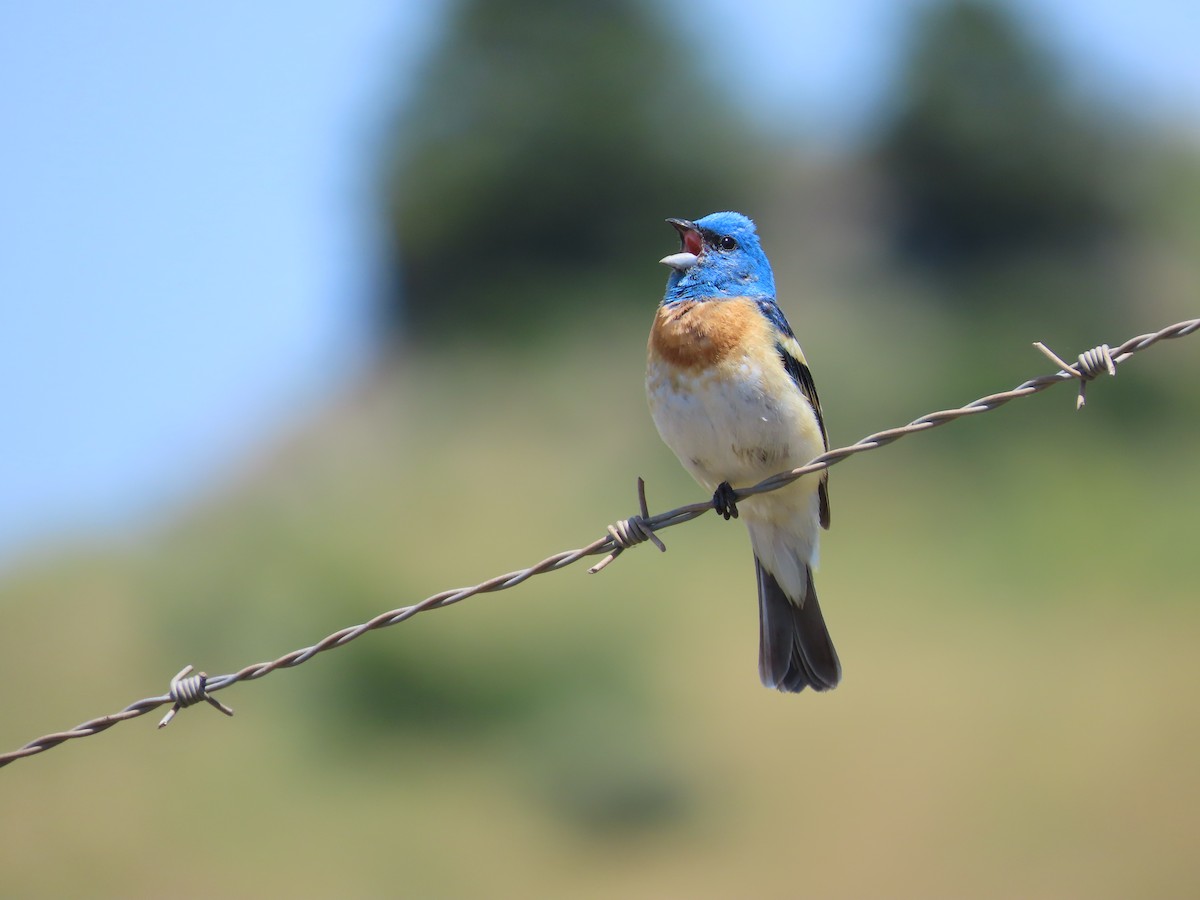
[691,245]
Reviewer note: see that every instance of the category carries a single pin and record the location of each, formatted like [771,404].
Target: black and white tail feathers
[795,650]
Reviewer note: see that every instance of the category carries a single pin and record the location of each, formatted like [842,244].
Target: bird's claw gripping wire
[724,501]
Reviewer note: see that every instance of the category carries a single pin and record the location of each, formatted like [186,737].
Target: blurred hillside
[1012,595]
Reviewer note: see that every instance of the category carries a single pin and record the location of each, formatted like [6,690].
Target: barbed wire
[186,691]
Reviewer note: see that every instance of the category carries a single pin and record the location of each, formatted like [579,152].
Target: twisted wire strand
[621,536]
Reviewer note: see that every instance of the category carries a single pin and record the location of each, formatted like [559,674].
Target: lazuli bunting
[733,397]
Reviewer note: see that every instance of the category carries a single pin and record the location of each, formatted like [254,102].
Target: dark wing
[797,367]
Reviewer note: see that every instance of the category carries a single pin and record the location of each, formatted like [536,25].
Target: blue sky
[186,253]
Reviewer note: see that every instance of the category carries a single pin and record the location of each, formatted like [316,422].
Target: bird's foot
[724,501]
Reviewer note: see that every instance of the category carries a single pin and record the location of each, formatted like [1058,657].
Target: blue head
[720,256]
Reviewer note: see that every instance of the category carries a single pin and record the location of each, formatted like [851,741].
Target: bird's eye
[728,243]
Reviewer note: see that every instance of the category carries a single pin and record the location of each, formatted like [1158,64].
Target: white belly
[739,428]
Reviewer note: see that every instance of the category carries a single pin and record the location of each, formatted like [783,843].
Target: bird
[732,395]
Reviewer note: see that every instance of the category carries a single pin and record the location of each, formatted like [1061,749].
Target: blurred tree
[532,172]
[985,154]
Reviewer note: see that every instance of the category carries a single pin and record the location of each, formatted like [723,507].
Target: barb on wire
[187,691]
[1091,363]
[630,532]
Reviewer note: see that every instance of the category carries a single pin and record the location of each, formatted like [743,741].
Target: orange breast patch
[696,335]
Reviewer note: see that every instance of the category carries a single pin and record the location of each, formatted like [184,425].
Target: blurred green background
[1013,596]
